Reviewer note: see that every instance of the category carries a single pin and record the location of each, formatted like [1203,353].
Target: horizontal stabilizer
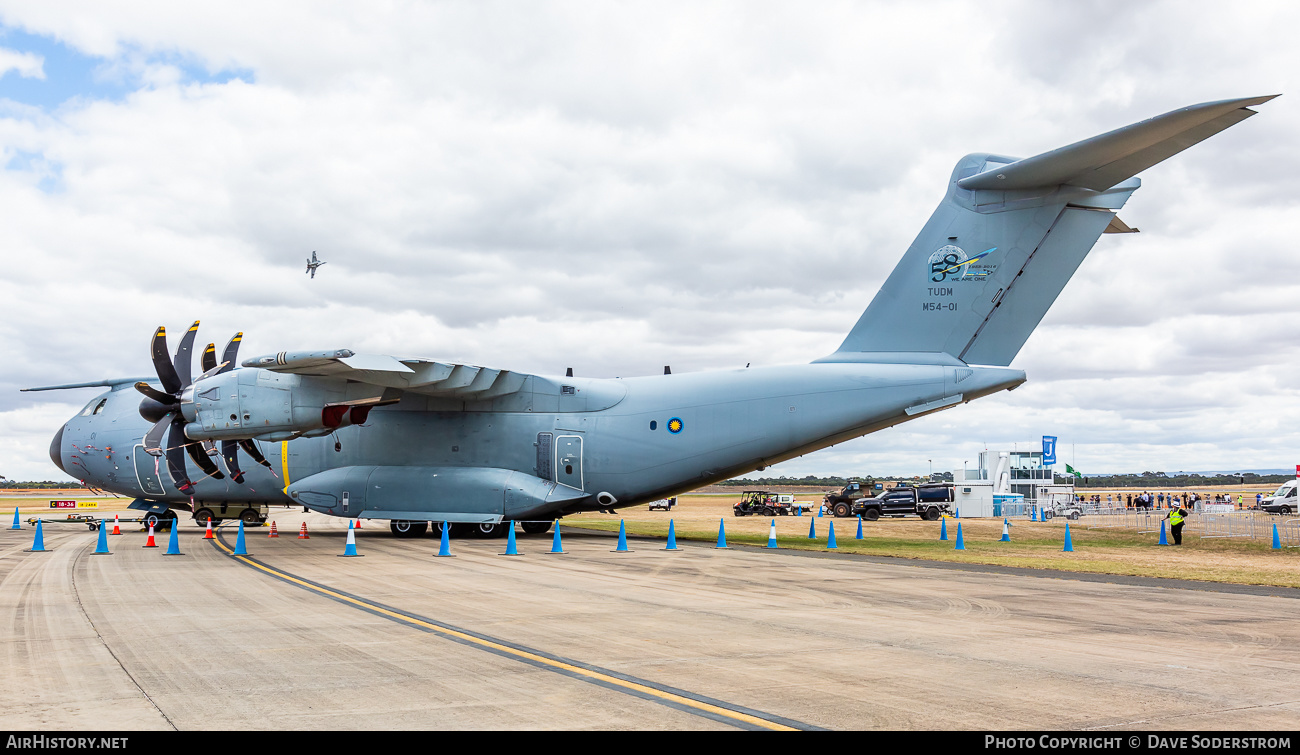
[1103,161]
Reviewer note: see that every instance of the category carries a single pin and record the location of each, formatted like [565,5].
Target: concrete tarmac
[698,639]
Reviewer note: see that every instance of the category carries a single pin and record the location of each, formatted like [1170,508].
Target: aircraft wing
[430,378]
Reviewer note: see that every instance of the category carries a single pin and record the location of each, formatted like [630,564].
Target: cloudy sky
[620,186]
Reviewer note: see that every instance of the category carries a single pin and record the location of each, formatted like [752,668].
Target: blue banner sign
[1049,450]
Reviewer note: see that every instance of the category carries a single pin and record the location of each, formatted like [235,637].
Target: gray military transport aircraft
[415,441]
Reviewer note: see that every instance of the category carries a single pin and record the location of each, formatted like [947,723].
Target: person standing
[1176,516]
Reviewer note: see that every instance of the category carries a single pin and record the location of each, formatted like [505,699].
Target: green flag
[1071,470]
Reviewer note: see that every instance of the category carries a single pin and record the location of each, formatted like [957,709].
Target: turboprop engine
[272,406]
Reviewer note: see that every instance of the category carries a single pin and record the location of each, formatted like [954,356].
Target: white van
[1283,501]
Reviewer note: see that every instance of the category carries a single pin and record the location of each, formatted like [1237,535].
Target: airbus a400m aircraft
[415,441]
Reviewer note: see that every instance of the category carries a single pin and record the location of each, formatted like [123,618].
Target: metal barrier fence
[1098,517]
[1235,524]
[1288,533]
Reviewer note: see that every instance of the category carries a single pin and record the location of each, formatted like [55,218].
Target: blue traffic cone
[672,537]
[1163,540]
[622,539]
[722,533]
[101,549]
[819,510]
[830,540]
[961,544]
[241,549]
[1069,546]
[1006,531]
[943,528]
[1033,514]
[38,544]
[444,547]
[956,514]
[799,510]
[173,542]
[349,548]
[556,546]
[812,530]
[1277,542]
[771,535]
[859,537]
[511,547]
[16,525]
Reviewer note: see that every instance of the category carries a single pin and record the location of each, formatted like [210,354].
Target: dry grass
[1035,545]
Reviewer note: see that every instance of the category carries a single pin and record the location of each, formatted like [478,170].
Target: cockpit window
[94,407]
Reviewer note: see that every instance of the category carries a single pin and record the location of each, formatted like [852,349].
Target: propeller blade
[176,441]
[155,394]
[216,370]
[203,461]
[162,363]
[184,361]
[230,453]
[153,438]
[250,448]
[232,350]
[209,358]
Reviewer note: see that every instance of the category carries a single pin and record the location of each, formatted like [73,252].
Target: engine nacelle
[274,406]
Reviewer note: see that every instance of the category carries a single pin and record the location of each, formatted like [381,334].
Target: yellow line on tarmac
[643,689]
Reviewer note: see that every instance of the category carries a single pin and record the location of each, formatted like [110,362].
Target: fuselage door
[144,471]
[568,460]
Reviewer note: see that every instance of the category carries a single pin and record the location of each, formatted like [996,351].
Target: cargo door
[568,460]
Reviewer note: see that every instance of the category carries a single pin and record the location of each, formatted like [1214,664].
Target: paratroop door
[568,460]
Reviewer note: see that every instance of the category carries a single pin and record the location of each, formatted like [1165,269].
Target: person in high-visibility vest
[1176,516]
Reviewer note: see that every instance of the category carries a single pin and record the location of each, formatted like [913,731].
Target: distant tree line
[43,485]
[828,482]
[1151,480]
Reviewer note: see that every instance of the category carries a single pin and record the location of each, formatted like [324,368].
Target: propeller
[164,409]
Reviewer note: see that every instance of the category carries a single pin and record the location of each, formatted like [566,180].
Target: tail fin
[1009,235]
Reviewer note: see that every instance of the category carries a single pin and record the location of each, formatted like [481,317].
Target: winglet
[1103,161]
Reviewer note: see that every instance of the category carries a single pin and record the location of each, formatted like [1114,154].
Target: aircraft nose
[56,450]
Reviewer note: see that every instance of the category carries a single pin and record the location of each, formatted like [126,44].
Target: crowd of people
[1162,500]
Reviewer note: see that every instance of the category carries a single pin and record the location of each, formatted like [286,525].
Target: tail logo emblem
[675,425]
[951,263]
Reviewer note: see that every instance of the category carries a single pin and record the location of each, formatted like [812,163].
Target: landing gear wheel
[405,528]
[841,509]
[871,515]
[250,517]
[486,530]
[153,520]
[536,528]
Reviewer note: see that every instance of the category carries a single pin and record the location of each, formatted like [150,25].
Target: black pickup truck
[927,501]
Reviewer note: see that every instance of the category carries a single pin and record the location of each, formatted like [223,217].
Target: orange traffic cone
[116,530]
[274,531]
[150,543]
[302,533]
[208,535]
[358,525]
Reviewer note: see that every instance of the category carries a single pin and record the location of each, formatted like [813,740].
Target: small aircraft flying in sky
[312,264]
[416,441]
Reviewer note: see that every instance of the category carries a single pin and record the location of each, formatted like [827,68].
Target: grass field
[1035,545]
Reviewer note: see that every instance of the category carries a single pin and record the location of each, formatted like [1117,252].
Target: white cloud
[25,64]
[619,187]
